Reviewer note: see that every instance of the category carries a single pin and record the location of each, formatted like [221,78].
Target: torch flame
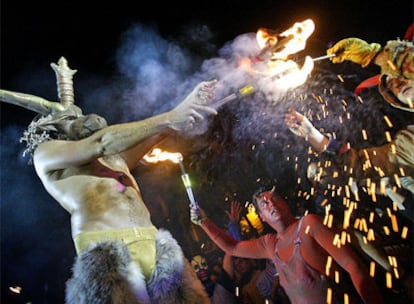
[288,42]
[157,155]
[285,72]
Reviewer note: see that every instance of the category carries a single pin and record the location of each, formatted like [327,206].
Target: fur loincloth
[105,274]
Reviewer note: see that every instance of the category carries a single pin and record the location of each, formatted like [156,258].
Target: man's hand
[299,124]
[197,215]
[354,49]
[194,108]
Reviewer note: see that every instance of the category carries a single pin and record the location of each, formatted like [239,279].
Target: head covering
[390,97]
[395,71]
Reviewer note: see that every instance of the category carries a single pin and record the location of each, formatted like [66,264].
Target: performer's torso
[99,195]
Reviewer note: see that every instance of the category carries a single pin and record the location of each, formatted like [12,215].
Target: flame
[288,42]
[278,47]
[291,75]
[157,155]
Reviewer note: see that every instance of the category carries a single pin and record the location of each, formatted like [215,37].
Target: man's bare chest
[108,167]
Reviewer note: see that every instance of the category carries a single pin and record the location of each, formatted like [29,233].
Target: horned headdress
[49,112]
[42,106]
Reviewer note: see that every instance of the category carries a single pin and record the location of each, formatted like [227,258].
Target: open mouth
[274,212]
[405,90]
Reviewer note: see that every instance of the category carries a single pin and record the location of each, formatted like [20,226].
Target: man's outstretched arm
[117,138]
[254,248]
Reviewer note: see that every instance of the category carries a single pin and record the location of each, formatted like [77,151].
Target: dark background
[229,162]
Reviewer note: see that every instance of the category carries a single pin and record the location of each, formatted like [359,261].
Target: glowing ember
[404,232]
[329,295]
[372,269]
[388,121]
[388,136]
[336,277]
[328,265]
[396,273]
[388,280]
[346,298]
[394,223]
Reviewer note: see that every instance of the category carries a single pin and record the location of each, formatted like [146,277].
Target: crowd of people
[301,248]
[122,257]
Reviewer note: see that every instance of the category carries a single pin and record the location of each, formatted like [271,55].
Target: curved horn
[64,77]
[31,102]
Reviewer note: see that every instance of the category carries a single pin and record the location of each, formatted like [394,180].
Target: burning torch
[187,184]
[276,49]
[157,155]
[249,89]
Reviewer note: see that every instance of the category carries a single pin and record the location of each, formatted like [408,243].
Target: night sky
[136,60]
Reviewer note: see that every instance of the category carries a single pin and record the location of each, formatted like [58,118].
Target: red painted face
[272,206]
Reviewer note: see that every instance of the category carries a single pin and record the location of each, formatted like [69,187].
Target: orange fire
[286,43]
[157,155]
[277,47]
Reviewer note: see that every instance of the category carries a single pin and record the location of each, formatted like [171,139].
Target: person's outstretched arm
[53,155]
[301,126]
[254,248]
[355,50]
[395,58]
[347,259]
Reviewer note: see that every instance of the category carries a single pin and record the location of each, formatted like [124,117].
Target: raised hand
[197,215]
[301,126]
[354,49]
[298,124]
[194,108]
[234,214]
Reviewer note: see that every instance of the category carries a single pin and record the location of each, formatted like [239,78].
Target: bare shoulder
[312,221]
[60,154]
[312,218]
[49,148]
[46,151]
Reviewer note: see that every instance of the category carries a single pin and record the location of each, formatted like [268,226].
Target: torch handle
[243,92]
[224,100]
[323,57]
[190,194]
[186,181]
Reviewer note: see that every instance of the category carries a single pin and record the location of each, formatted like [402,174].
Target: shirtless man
[86,166]
[300,251]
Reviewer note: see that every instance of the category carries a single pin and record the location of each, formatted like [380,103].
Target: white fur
[106,274]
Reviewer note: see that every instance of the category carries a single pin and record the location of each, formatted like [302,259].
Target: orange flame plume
[273,60]
[157,155]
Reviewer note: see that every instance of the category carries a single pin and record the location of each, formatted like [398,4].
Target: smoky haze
[245,145]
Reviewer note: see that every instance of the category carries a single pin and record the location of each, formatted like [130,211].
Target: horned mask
[45,107]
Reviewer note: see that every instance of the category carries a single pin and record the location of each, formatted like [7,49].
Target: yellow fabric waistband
[139,240]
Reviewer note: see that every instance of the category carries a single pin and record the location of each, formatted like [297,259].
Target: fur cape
[106,274]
